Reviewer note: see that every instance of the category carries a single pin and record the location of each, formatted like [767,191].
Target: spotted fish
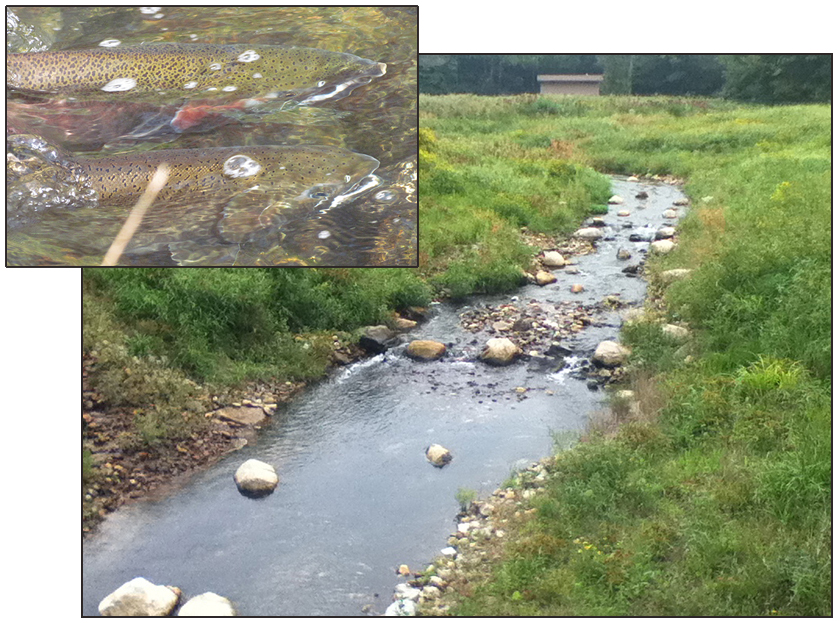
[214,78]
[215,201]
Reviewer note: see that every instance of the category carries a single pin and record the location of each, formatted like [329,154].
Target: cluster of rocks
[478,539]
[139,597]
[535,328]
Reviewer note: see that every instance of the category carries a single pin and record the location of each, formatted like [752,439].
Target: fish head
[292,184]
[336,75]
[334,174]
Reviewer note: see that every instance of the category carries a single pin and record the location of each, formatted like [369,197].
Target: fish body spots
[181,68]
[305,170]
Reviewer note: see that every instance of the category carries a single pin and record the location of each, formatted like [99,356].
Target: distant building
[570,84]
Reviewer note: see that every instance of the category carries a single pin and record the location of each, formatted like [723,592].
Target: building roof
[570,78]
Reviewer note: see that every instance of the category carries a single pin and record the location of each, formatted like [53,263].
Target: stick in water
[158,181]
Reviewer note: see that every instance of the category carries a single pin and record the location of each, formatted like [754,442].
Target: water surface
[372,228]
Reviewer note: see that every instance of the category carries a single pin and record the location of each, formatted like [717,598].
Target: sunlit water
[357,497]
[374,225]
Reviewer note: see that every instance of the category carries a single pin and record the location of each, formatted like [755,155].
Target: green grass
[715,500]
[226,326]
[162,338]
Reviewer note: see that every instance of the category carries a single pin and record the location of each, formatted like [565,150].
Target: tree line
[759,78]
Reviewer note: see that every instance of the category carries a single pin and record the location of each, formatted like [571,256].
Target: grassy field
[715,497]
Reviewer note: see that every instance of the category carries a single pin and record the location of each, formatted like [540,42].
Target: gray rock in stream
[377,339]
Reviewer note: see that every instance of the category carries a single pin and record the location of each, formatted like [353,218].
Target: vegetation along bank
[708,492]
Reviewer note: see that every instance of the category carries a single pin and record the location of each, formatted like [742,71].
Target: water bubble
[257,75]
[385,195]
[110,43]
[120,84]
[215,66]
[193,37]
[191,85]
[241,166]
[322,83]
[230,88]
[248,56]
[323,235]
[149,10]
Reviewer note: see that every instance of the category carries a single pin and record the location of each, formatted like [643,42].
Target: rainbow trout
[214,78]
[216,198]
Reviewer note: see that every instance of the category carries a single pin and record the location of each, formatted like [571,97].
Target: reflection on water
[373,224]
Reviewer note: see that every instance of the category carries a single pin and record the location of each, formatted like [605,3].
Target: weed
[465,497]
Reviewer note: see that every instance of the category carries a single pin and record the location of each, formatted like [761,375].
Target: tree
[778,78]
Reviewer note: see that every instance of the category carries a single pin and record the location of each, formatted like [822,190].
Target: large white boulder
[500,351]
[140,598]
[255,478]
[425,350]
[207,605]
[610,354]
[401,608]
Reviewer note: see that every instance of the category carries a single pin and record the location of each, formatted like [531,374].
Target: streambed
[357,497]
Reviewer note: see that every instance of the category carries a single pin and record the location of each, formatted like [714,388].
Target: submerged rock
[255,478]
[139,597]
[207,605]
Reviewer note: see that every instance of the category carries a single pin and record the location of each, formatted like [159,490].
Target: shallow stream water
[357,497]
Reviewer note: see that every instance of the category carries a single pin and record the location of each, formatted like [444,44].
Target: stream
[357,497]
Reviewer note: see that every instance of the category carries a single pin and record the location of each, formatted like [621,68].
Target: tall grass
[481,184]
[714,498]
[225,326]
